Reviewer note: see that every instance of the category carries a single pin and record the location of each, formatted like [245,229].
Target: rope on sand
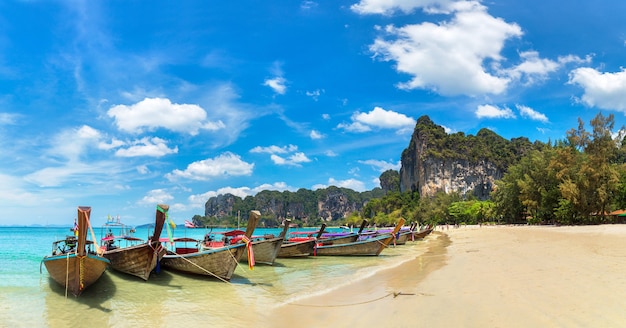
[394,294]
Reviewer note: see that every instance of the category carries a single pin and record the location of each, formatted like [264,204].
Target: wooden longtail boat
[341,237]
[73,263]
[301,247]
[423,233]
[138,260]
[372,246]
[266,250]
[216,262]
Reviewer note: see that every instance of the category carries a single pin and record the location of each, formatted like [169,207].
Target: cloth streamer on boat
[167,218]
[250,252]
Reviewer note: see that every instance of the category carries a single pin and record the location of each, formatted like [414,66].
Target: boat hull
[138,260]
[297,249]
[219,262]
[265,251]
[75,273]
[368,247]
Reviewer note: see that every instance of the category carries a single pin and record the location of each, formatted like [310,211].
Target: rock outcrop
[436,161]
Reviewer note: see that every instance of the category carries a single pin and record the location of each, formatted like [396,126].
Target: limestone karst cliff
[437,161]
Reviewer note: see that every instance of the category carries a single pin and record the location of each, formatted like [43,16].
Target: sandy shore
[487,277]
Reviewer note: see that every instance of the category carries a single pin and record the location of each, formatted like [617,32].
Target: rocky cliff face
[428,168]
[328,204]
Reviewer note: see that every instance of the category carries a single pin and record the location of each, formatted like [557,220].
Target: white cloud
[532,114]
[156,196]
[353,184]
[277,84]
[273,149]
[379,118]
[153,147]
[315,94]
[330,153]
[602,90]
[449,57]
[223,165]
[153,113]
[381,166]
[293,160]
[388,7]
[8,118]
[326,116]
[198,201]
[490,111]
[533,68]
[354,127]
[316,135]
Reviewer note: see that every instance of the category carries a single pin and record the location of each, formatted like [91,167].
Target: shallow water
[29,298]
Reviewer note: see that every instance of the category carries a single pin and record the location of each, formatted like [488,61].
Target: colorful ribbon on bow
[249,250]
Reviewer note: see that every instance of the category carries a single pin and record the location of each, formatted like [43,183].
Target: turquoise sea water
[29,298]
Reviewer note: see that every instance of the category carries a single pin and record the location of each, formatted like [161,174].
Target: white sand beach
[489,276]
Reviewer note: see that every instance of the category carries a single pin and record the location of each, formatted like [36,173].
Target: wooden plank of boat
[140,260]
[368,247]
[76,267]
[217,262]
[265,251]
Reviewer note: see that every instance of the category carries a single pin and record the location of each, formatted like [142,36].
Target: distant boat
[423,232]
[140,258]
[300,244]
[73,263]
[369,247]
[336,238]
[217,262]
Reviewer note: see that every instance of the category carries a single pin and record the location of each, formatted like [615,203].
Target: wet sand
[497,276]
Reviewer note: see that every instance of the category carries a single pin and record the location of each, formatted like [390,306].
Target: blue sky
[122,105]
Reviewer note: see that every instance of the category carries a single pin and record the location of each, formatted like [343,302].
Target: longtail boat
[423,232]
[296,246]
[215,262]
[372,246]
[137,259]
[73,263]
[266,248]
[336,238]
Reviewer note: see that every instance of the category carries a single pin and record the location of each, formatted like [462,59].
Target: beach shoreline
[489,276]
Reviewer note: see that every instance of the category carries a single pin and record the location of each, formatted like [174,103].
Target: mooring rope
[201,268]
[395,294]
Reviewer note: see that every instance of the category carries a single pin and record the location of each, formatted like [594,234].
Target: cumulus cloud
[273,149]
[156,196]
[152,113]
[602,90]
[532,114]
[198,201]
[388,7]
[381,166]
[378,118]
[353,184]
[293,160]
[449,58]
[314,94]
[223,165]
[316,135]
[153,147]
[490,111]
[278,84]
